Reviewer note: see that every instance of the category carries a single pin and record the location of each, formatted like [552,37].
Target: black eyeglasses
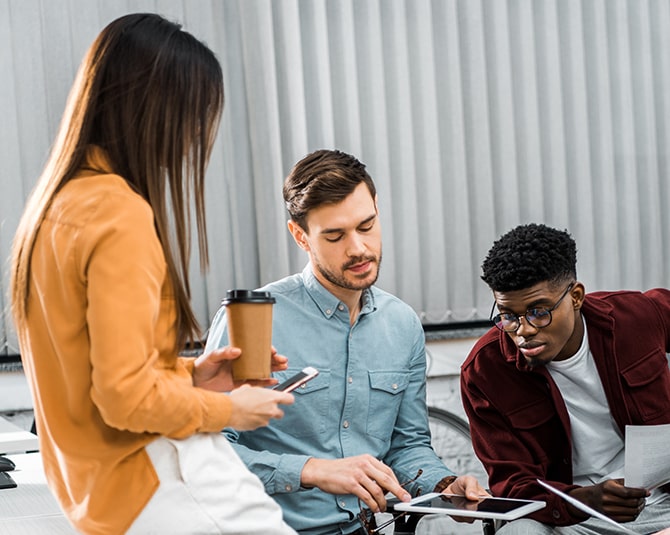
[538,317]
[367,517]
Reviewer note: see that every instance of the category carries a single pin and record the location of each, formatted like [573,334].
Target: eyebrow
[337,230]
[541,302]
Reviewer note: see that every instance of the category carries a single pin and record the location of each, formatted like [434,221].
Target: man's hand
[469,487]
[253,407]
[363,476]
[214,370]
[611,498]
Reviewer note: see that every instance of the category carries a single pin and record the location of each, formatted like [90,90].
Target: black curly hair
[528,255]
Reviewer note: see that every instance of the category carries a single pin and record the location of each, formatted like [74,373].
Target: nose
[525,327]
[356,245]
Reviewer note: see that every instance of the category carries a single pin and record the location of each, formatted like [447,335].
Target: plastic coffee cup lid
[247,296]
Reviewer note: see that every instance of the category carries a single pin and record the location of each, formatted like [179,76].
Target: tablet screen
[486,505]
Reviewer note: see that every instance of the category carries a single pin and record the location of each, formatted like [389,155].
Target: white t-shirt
[597,444]
[598,448]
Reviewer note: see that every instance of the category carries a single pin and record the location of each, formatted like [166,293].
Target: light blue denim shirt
[369,397]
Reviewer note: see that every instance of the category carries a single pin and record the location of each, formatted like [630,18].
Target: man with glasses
[360,428]
[550,389]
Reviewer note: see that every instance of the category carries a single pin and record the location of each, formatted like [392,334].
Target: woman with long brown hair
[128,430]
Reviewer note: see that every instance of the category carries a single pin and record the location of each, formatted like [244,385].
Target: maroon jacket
[519,424]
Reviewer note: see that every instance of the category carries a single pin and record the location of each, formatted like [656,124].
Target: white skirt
[205,488]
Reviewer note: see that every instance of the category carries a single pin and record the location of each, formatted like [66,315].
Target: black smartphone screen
[290,381]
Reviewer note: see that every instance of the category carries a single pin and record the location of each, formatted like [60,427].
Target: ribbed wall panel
[472,115]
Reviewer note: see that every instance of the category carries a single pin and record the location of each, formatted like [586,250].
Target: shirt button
[341,307]
[345,424]
[394,386]
[328,311]
[342,503]
[556,514]
[350,380]
[288,488]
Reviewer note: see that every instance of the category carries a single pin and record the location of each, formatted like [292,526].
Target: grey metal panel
[472,116]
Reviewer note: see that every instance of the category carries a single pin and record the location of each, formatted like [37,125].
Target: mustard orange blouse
[97,351]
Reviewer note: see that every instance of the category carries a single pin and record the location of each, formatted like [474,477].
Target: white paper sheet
[647,456]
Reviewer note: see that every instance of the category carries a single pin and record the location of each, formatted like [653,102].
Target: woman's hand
[213,371]
[254,407]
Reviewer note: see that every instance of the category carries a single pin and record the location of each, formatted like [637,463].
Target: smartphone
[298,379]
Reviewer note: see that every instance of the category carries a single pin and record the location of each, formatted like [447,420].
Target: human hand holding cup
[213,370]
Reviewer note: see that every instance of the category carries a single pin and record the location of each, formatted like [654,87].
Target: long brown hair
[151,95]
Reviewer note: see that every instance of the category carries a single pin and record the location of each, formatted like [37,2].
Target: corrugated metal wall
[472,116]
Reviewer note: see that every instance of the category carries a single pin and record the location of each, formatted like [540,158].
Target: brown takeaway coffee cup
[249,317]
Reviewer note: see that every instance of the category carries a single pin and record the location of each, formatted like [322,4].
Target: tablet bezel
[525,507]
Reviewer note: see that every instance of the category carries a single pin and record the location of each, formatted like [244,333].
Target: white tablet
[486,507]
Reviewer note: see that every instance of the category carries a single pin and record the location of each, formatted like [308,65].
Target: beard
[355,282]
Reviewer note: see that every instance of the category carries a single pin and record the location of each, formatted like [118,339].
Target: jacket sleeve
[138,383]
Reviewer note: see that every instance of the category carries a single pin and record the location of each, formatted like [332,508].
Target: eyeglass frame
[370,525]
[518,317]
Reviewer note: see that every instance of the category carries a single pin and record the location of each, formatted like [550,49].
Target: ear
[299,235]
[577,295]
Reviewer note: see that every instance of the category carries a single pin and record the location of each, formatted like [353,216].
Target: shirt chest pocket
[386,394]
[648,383]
